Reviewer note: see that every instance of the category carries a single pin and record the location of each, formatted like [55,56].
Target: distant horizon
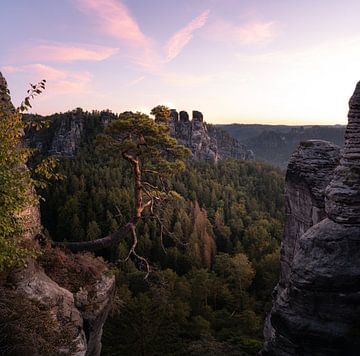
[261,61]
[190,117]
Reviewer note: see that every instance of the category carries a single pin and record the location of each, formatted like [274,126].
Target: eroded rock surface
[310,170]
[206,142]
[316,308]
[67,138]
[94,307]
[81,314]
[343,194]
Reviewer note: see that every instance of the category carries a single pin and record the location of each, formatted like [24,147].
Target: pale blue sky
[280,61]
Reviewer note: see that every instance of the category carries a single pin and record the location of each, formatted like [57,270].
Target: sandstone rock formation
[94,305]
[316,304]
[67,137]
[228,146]
[310,170]
[81,314]
[206,142]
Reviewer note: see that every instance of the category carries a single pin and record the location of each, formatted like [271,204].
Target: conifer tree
[153,156]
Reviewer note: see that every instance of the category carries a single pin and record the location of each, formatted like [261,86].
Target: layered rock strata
[316,308]
[310,170]
[343,194]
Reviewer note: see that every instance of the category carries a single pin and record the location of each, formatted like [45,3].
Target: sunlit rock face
[67,138]
[316,308]
[206,142]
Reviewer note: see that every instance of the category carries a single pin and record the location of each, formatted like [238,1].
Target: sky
[237,61]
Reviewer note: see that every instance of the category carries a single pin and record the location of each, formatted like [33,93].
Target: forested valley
[213,249]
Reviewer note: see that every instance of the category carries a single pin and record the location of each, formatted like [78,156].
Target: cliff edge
[316,303]
[58,304]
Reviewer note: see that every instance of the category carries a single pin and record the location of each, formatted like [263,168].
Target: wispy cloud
[254,32]
[181,38]
[62,52]
[136,81]
[58,80]
[115,19]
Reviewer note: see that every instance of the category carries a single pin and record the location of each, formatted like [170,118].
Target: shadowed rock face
[310,170]
[343,194]
[316,307]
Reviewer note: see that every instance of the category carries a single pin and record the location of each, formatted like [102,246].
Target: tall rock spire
[316,304]
[343,193]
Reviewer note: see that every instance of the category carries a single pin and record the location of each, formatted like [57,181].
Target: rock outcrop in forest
[316,303]
[57,304]
[205,141]
[69,131]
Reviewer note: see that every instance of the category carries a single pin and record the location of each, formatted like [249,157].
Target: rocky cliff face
[67,137]
[228,146]
[78,314]
[316,304]
[206,142]
[67,132]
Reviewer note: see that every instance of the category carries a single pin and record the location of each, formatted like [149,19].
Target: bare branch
[133,252]
[169,233]
[99,244]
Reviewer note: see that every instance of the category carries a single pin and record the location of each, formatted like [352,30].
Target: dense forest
[213,251]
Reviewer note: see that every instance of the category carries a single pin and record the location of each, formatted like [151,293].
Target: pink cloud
[116,20]
[254,32]
[184,36]
[58,52]
[58,81]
